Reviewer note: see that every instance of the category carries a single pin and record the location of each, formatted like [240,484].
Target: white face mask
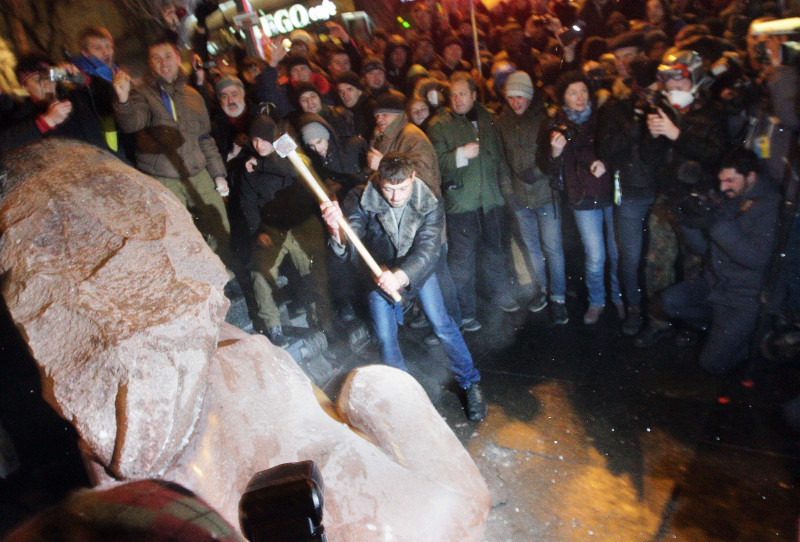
[680,98]
[433,97]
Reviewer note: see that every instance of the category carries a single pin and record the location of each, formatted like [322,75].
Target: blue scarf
[578,117]
[94,67]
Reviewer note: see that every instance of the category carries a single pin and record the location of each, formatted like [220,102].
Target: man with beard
[233,117]
[736,236]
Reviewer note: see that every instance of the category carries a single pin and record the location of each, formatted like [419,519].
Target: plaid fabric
[148,510]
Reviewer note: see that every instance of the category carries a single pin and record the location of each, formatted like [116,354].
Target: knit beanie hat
[519,84]
[314,130]
[31,65]
[227,81]
[390,102]
[262,127]
[350,78]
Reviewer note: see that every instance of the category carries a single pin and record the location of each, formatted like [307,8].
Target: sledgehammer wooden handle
[323,197]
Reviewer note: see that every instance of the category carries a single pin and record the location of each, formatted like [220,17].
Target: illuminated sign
[284,21]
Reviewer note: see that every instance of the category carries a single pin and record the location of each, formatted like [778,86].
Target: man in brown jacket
[173,140]
[393,133]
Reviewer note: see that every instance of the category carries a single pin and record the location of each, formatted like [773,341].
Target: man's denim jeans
[385,317]
[541,232]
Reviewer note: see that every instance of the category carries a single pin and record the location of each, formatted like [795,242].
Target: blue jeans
[596,246]
[541,232]
[631,228]
[448,286]
[385,317]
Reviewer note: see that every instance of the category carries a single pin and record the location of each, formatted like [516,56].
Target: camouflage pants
[664,252]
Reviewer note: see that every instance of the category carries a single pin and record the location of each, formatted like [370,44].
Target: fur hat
[350,78]
[628,39]
[390,102]
[293,60]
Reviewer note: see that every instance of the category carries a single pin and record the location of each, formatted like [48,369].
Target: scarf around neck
[578,117]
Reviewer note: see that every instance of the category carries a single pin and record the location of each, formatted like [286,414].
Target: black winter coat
[344,162]
[622,140]
[703,138]
[739,245]
[82,124]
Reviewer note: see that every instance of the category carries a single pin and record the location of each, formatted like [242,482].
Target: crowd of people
[663,131]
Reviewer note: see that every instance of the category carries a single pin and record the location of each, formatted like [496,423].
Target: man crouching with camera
[736,236]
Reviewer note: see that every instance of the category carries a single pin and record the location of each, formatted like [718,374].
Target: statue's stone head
[117,295]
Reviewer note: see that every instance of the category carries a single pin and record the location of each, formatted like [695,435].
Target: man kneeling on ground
[400,222]
[736,236]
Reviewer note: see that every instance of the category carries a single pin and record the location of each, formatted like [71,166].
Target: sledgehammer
[287,148]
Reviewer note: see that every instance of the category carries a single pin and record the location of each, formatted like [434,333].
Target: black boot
[476,406]
[275,334]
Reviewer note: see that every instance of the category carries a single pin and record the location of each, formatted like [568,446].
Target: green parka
[477,184]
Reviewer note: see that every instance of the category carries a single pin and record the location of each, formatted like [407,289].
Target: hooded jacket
[344,161]
[166,147]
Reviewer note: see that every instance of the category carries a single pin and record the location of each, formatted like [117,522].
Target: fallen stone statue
[121,303]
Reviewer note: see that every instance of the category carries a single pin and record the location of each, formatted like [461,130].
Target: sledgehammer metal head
[284,145]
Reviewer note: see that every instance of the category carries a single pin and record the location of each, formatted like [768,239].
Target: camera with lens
[697,205]
[569,132]
[284,503]
[697,208]
[59,75]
